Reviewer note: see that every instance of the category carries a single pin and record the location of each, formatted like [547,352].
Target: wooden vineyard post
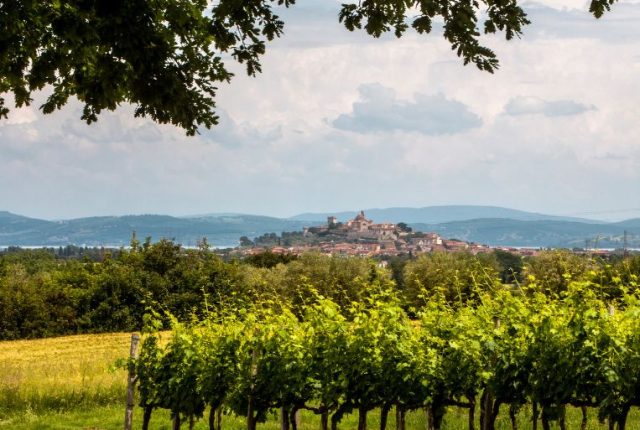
[400,418]
[487,400]
[131,383]
[611,310]
[496,322]
[297,418]
[251,419]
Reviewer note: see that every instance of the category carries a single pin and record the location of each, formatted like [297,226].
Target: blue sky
[339,120]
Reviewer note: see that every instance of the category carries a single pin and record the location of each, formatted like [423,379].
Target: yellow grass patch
[63,372]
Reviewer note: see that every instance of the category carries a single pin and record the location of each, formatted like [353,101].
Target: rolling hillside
[116,231]
[505,227]
[441,214]
[545,233]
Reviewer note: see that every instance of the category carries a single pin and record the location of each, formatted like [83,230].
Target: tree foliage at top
[166,57]
[163,56]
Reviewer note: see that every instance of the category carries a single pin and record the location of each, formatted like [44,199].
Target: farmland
[67,383]
[60,373]
[341,336]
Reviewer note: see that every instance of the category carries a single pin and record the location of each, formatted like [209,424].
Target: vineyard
[505,348]
[444,340]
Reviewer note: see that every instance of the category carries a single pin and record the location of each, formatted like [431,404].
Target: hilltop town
[361,236]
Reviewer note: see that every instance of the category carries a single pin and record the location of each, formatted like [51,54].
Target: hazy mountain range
[441,214]
[483,224]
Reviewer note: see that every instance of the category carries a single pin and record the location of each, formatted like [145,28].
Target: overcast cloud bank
[340,121]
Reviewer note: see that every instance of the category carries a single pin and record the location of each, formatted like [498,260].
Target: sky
[342,121]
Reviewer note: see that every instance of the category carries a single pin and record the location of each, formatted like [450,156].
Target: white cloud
[232,135]
[551,19]
[277,150]
[527,105]
[378,110]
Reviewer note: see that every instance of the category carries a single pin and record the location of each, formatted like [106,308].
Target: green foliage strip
[504,349]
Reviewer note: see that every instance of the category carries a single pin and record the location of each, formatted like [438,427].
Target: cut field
[61,373]
[72,383]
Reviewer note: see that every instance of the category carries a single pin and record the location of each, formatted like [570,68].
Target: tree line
[44,294]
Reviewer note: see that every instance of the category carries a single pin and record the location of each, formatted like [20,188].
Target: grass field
[61,373]
[69,383]
[111,418]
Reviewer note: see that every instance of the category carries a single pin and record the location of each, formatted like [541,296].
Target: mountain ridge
[224,230]
[540,233]
[440,214]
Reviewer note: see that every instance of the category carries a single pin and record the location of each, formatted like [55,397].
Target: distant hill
[14,229]
[545,233]
[440,214]
[629,224]
[225,229]
[9,221]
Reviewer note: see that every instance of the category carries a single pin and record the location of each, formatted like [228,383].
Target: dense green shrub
[43,293]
